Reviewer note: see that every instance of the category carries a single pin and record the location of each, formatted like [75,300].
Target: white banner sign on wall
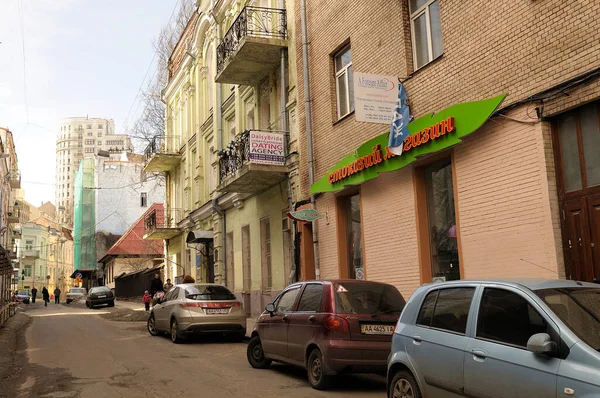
[267,148]
[374,97]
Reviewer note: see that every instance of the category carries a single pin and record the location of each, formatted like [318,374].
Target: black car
[100,295]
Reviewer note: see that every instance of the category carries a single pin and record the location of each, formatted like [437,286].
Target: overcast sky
[82,57]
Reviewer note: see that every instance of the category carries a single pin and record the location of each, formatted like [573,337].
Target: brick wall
[515,46]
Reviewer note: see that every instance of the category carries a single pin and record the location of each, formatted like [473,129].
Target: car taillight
[336,323]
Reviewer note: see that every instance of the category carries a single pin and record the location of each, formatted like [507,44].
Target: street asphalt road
[71,351]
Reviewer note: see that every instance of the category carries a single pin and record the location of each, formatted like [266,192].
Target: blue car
[520,338]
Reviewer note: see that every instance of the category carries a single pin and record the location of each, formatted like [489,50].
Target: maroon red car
[328,327]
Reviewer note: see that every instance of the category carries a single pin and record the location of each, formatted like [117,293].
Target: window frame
[297,288]
[437,292]
[337,74]
[413,16]
[551,326]
[320,305]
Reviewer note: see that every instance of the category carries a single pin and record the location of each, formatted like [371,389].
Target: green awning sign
[428,134]
[305,215]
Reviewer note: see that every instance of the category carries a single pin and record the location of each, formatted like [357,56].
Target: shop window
[438,234]
[246,260]
[265,250]
[426,29]
[344,85]
[229,270]
[350,237]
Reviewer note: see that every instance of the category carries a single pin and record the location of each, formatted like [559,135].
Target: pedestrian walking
[146,300]
[168,285]
[33,294]
[156,288]
[45,296]
[57,296]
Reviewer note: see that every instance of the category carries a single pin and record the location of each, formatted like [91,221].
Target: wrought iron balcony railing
[238,153]
[162,219]
[163,144]
[254,22]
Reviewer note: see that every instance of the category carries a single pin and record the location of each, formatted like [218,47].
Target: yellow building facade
[229,151]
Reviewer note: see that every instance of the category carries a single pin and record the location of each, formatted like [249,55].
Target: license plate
[102,296]
[377,329]
[216,310]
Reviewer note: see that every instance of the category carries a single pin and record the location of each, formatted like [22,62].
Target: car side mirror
[541,343]
[270,308]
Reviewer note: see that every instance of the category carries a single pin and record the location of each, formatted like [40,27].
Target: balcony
[162,224]
[251,47]
[14,179]
[162,154]
[253,162]
[29,253]
[13,215]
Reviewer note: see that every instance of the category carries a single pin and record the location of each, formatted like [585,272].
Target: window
[29,245]
[446,309]
[285,303]
[89,150]
[351,234]
[172,294]
[362,298]
[27,270]
[426,28]
[90,134]
[99,134]
[229,276]
[208,292]
[100,126]
[89,142]
[99,143]
[311,298]
[89,126]
[265,250]
[344,85]
[144,199]
[506,317]
[79,136]
[246,260]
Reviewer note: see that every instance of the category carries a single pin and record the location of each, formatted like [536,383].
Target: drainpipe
[283,98]
[217,209]
[218,115]
[309,142]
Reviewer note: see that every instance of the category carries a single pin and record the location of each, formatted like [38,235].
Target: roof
[132,242]
[530,283]
[140,272]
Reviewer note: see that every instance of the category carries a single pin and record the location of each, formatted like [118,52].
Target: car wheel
[152,326]
[316,371]
[404,385]
[256,355]
[175,334]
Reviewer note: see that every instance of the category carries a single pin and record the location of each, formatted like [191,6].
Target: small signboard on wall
[374,97]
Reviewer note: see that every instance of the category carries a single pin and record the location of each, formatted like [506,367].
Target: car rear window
[76,291]
[367,298]
[208,292]
[23,293]
[101,289]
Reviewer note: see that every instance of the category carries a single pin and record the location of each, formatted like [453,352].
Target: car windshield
[76,291]
[367,298]
[208,292]
[579,309]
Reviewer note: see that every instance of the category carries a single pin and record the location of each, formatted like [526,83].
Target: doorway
[576,136]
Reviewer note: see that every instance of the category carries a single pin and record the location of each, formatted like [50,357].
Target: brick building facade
[518,195]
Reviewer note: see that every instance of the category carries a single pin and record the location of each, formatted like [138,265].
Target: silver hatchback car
[196,308]
[521,338]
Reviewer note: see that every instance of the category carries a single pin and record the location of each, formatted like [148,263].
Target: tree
[151,122]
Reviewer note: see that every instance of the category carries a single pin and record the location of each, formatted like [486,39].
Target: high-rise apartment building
[78,138]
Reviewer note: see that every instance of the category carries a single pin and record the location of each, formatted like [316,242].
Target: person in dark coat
[57,296]
[156,285]
[46,296]
[33,294]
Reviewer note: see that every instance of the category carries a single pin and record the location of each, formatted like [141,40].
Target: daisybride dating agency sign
[267,148]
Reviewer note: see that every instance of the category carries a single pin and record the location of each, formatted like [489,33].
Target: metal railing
[255,22]
[163,144]
[162,219]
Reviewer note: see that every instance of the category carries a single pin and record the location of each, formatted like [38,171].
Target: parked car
[76,293]
[100,295]
[196,308]
[521,338]
[23,295]
[328,327]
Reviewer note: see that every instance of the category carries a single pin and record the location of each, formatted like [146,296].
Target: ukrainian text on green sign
[372,158]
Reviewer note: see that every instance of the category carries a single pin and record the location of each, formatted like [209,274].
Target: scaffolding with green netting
[84,212]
